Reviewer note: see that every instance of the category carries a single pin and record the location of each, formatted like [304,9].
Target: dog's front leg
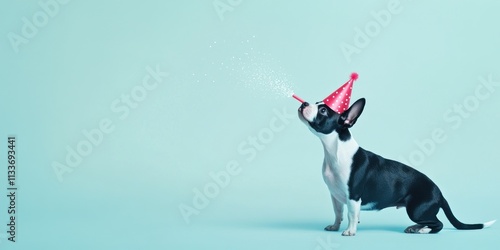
[353,208]
[338,208]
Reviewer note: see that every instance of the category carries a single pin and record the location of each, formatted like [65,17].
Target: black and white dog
[366,181]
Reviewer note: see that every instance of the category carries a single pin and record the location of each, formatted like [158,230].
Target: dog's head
[322,120]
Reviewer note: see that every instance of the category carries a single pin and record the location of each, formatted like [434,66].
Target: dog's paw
[334,227]
[348,233]
[417,229]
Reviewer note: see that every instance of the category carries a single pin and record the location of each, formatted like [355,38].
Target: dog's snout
[304,104]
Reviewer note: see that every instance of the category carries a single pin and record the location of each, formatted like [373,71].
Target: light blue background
[224,85]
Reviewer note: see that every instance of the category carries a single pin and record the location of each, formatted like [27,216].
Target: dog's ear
[349,117]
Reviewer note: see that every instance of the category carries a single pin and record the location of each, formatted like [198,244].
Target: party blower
[339,99]
[298,98]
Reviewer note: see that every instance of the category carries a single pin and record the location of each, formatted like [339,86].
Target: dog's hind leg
[424,214]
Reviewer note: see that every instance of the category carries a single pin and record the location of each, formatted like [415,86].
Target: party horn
[298,98]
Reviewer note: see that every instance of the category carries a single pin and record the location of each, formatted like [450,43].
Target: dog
[363,180]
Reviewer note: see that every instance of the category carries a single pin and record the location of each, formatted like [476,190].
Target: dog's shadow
[387,228]
[293,225]
[320,225]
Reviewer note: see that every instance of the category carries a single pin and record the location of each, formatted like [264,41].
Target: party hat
[338,101]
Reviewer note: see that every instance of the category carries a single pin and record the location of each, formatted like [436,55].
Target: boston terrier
[366,181]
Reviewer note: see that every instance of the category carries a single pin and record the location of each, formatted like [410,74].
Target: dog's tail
[459,225]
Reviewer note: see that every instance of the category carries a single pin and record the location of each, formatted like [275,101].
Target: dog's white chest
[337,169]
[337,183]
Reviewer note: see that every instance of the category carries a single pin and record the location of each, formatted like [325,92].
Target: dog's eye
[322,111]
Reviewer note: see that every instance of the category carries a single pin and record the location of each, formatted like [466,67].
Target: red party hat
[338,101]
